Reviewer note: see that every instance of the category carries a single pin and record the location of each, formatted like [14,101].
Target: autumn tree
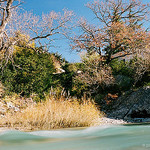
[118,32]
[119,29]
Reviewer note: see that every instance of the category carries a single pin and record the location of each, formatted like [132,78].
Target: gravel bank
[109,121]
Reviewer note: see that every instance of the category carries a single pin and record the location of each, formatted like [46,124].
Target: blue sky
[45,6]
[78,6]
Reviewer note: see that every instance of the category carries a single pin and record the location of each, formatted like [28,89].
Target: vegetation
[54,113]
[119,47]
[115,58]
[121,29]
[30,72]
[38,29]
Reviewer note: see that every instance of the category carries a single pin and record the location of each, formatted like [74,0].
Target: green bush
[121,68]
[78,87]
[66,81]
[29,72]
[130,73]
[123,82]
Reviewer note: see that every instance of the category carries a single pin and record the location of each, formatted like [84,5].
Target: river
[120,137]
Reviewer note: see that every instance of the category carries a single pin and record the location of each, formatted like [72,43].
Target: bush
[123,82]
[121,68]
[29,72]
[123,74]
[95,74]
[132,73]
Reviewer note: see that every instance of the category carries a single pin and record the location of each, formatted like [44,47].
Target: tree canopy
[119,29]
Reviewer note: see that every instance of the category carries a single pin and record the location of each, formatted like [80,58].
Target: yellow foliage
[23,40]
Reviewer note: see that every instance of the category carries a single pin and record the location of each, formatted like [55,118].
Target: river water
[133,137]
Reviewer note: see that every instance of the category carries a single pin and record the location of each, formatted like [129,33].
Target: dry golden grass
[54,113]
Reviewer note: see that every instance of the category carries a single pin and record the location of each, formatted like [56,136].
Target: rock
[135,104]
[1,104]
[110,121]
[3,110]
[16,109]
[10,105]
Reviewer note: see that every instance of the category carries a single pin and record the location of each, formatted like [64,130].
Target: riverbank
[56,113]
[53,113]
[103,121]
[112,121]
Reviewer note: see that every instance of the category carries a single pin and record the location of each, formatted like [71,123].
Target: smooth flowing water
[135,137]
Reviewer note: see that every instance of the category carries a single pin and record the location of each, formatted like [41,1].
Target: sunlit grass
[54,113]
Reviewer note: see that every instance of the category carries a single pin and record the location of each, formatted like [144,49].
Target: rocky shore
[14,104]
[112,121]
[131,107]
[104,121]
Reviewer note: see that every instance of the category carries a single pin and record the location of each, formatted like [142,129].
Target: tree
[5,15]
[118,32]
[119,29]
[40,30]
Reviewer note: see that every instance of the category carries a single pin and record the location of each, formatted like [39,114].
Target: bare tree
[5,14]
[95,74]
[6,8]
[26,29]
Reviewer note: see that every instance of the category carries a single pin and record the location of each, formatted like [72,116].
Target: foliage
[29,69]
[141,66]
[122,83]
[122,68]
[77,87]
[130,73]
[119,33]
[30,72]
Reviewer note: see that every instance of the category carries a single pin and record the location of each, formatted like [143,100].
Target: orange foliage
[120,30]
[110,97]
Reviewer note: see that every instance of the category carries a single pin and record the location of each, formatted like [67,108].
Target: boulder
[133,104]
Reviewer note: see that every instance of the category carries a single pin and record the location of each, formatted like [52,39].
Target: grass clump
[54,113]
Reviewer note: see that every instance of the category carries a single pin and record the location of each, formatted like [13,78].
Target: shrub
[121,68]
[95,73]
[122,82]
[29,72]
[136,70]
[141,66]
